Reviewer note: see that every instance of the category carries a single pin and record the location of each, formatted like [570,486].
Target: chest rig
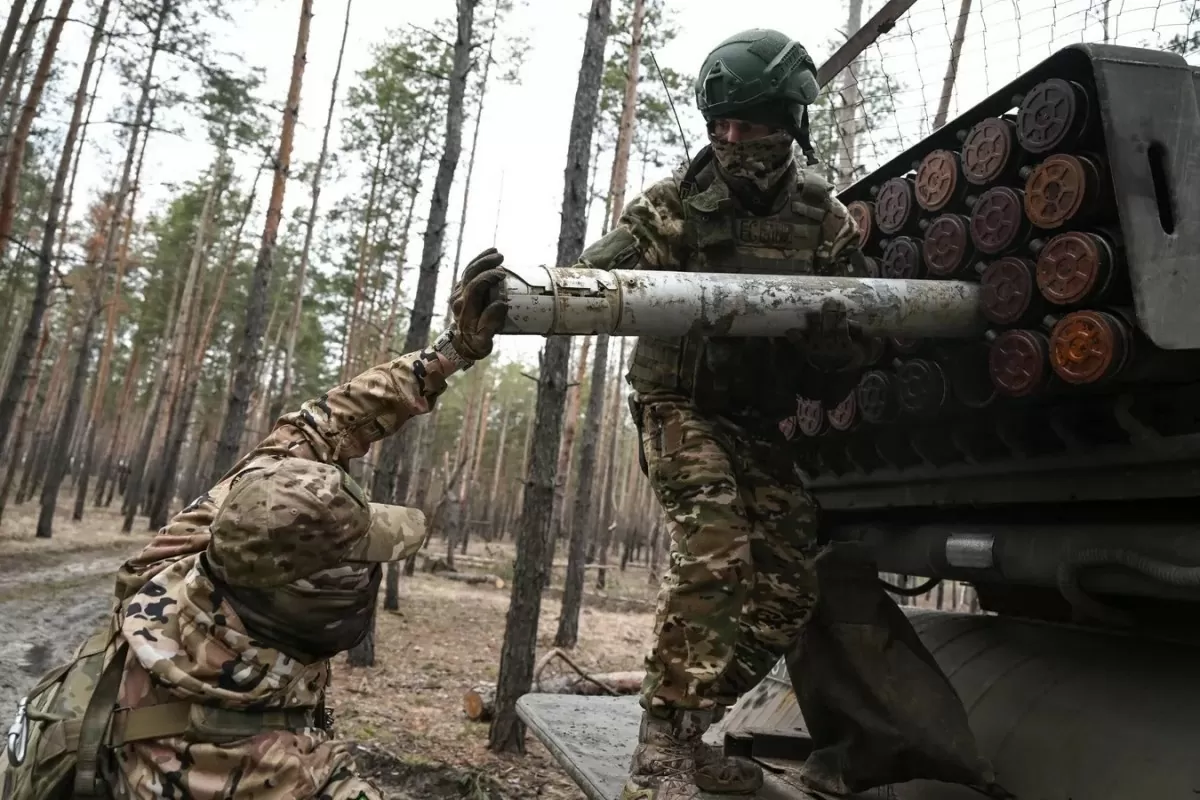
[720,236]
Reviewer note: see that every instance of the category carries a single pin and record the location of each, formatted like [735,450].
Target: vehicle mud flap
[878,707]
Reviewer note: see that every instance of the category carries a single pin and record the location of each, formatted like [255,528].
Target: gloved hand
[830,343]
[478,314]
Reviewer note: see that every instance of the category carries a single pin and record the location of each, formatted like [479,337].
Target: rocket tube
[579,301]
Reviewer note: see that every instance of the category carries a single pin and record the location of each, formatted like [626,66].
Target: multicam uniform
[743,528]
[741,582]
[238,604]
[210,681]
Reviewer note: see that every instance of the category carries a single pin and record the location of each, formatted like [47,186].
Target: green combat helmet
[760,76]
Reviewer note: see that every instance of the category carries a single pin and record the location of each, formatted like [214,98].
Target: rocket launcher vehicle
[1029,424]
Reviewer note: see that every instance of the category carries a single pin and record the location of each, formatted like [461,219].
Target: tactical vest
[719,237]
[69,722]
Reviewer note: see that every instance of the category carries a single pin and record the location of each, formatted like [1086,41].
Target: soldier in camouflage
[741,583]
[228,619]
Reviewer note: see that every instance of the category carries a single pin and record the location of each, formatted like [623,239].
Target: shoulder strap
[688,183]
[93,726]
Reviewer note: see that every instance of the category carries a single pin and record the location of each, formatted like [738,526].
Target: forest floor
[405,712]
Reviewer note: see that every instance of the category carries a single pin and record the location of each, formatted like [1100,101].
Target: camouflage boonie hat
[294,517]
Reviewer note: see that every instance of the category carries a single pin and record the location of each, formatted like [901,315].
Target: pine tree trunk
[16,451]
[960,33]
[620,169]
[246,360]
[10,32]
[182,367]
[419,497]
[136,479]
[466,202]
[310,223]
[87,121]
[582,519]
[360,272]
[103,484]
[435,232]
[16,148]
[141,119]
[101,379]
[566,449]
[526,450]
[58,453]
[14,307]
[609,476]
[507,732]
[100,382]
[470,486]
[497,471]
[19,373]
[14,67]
[394,470]
[397,451]
[851,98]
[42,427]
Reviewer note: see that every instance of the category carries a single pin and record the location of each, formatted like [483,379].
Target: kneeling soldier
[209,680]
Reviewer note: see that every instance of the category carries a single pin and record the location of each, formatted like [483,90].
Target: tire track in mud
[45,613]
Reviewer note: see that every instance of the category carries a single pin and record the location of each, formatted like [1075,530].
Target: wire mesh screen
[944,56]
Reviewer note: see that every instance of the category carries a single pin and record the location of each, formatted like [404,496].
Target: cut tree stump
[479,702]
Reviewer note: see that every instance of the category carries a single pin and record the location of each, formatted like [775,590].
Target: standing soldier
[741,583]
[209,683]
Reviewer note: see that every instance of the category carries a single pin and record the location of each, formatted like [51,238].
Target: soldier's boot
[664,762]
[721,774]
[665,767]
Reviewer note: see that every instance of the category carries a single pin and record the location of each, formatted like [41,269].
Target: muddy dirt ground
[405,712]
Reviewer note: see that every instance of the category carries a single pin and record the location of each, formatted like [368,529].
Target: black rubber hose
[915,591]
[1152,568]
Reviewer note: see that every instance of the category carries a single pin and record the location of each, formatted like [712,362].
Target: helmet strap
[800,132]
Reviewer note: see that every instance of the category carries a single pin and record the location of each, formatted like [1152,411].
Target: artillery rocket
[577,301]
[1028,425]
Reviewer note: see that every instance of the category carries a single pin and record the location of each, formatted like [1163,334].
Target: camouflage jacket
[188,644]
[808,231]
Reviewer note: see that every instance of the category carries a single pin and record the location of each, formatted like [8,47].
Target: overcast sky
[517,184]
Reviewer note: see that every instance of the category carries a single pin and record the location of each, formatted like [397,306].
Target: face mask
[758,163]
[313,618]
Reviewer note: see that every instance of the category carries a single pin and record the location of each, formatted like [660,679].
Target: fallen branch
[557,652]
[473,578]
[479,702]
[493,561]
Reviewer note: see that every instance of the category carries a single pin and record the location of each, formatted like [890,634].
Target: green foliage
[231,109]
[394,113]
[656,138]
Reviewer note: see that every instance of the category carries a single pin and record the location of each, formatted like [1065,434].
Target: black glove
[478,314]
[830,342]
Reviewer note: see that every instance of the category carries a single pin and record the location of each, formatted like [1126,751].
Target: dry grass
[635,584]
[100,528]
[446,639]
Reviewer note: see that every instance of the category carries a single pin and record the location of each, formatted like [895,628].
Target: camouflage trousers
[741,582]
[278,765]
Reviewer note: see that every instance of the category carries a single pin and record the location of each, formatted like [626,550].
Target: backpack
[70,719]
[52,749]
